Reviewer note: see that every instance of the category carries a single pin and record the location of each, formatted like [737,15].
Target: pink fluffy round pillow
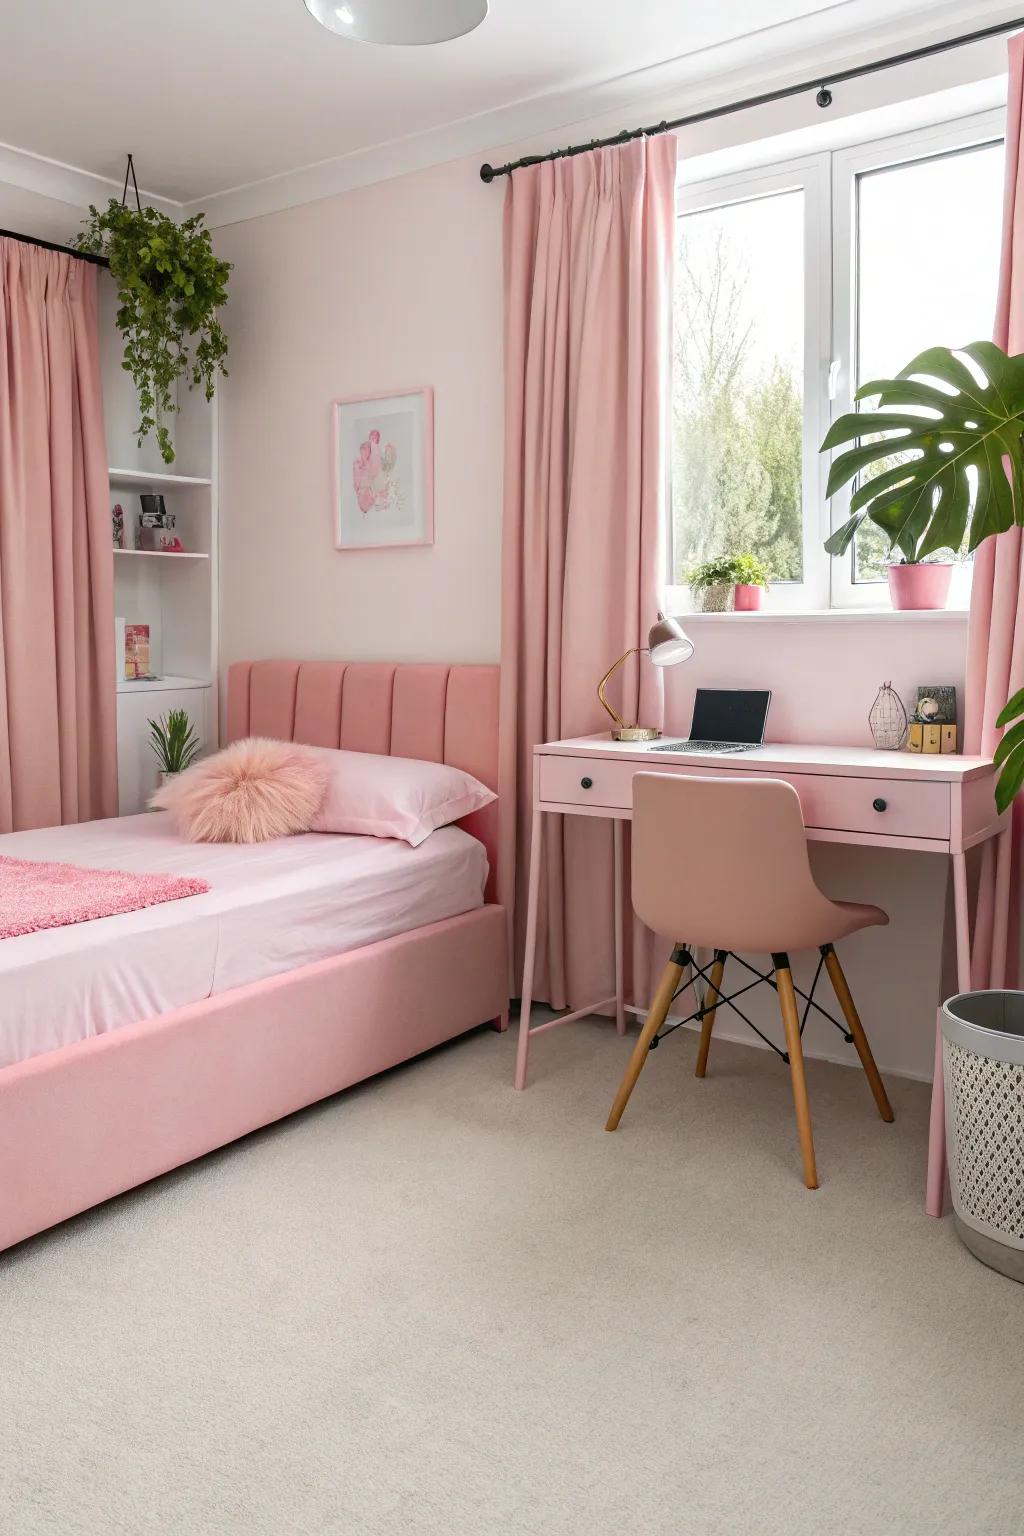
[254,790]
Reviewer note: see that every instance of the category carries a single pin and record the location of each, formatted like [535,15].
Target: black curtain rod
[820,84]
[48,245]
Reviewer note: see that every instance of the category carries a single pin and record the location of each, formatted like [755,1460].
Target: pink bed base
[82,1124]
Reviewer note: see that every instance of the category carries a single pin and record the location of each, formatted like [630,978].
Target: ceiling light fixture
[404,23]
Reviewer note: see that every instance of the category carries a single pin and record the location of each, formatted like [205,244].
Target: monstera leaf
[956,430]
[1009,754]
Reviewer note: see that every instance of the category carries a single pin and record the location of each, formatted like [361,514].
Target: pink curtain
[995,644]
[57,695]
[588,274]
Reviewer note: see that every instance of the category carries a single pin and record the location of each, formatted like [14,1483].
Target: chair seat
[855,915]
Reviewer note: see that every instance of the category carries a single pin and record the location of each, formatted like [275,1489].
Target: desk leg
[936,1190]
[620,1001]
[523,1051]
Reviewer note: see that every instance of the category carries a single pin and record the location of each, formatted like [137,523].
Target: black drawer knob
[586,783]
[880,804]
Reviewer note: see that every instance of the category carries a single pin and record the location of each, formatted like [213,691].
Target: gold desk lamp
[667,643]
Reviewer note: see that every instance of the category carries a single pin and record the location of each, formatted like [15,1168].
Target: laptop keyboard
[705,746]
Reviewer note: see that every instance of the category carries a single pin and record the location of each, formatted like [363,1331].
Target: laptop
[724,720]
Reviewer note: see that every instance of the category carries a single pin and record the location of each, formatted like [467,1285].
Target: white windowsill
[831,616]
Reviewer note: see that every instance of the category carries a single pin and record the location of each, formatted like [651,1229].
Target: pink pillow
[254,790]
[394,796]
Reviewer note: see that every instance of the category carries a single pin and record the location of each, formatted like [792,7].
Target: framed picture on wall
[383,447]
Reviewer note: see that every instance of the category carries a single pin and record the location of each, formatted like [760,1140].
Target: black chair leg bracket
[683,956]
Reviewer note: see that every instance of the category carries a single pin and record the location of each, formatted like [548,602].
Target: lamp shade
[668,642]
[398,22]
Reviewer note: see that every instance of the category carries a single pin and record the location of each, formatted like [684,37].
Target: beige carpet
[434,1306]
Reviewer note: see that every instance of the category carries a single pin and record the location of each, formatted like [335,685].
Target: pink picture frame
[382,470]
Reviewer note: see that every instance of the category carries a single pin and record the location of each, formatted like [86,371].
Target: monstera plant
[962,425]
[952,421]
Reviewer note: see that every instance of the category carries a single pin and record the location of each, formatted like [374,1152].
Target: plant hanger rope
[129,170]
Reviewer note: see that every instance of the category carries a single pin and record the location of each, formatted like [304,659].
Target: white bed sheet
[271,907]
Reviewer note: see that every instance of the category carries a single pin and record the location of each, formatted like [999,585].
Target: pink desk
[942,804]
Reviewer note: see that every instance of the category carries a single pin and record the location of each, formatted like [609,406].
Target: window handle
[834,368]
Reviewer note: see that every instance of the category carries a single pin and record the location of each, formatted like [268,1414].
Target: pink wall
[389,287]
[399,284]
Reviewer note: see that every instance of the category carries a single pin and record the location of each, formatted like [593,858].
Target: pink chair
[724,861]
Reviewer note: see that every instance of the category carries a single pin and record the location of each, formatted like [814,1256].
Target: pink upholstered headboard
[439,713]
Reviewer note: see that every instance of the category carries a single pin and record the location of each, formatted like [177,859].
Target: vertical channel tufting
[418,712]
[318,695]
[238,700]
[272,699]
[366,706]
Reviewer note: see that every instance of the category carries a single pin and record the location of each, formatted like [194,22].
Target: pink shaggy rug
[35,895]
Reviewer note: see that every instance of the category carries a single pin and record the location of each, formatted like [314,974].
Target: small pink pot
[748,598]
[920,586]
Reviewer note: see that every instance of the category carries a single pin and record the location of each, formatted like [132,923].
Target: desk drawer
[910,807]
[588,781]
[830,804]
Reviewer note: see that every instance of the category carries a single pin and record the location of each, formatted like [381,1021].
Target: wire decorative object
[888,719]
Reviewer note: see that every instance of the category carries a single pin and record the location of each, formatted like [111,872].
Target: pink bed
[91,1119]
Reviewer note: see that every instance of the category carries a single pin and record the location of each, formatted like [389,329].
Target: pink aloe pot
[920,586]
[748,598]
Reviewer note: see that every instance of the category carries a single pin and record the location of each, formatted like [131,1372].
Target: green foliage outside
[170,287]
[737,431]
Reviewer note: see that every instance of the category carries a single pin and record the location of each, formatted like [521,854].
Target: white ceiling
[216,94]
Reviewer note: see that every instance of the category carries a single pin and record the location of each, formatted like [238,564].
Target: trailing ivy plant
[170,287]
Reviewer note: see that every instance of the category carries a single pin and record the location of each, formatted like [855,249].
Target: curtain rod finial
[487,173]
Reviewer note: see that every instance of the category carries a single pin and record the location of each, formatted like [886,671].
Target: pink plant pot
[920,586]
[748,598]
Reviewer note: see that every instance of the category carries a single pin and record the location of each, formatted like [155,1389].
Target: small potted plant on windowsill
[713,584]
[750,579]
[174,742]
[728,582]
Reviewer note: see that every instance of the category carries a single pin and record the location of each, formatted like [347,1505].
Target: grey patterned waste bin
[983,1072]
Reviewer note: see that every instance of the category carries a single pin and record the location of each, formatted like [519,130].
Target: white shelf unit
[179,605]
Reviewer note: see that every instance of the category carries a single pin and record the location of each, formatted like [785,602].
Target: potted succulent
[170,286]
[174,742]
[750,577]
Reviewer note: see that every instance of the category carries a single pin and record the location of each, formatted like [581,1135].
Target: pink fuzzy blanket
[35,895]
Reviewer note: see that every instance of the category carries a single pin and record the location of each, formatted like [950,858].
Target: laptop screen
[730,714]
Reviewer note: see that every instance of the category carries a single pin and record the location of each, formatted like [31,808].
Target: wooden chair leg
[711,1004]
[841,987]
[670,979]
[791,1024]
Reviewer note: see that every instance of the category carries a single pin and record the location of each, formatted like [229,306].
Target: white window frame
[810,175]
[829,181]
[847,167]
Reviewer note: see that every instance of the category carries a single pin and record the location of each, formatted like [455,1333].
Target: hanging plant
[170,286]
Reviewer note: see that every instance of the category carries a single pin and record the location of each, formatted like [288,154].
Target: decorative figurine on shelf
[888,719]
[117,521]
[155,532]
[933,727]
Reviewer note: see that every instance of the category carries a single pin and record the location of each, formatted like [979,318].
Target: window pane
[738,385]
[928,244]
